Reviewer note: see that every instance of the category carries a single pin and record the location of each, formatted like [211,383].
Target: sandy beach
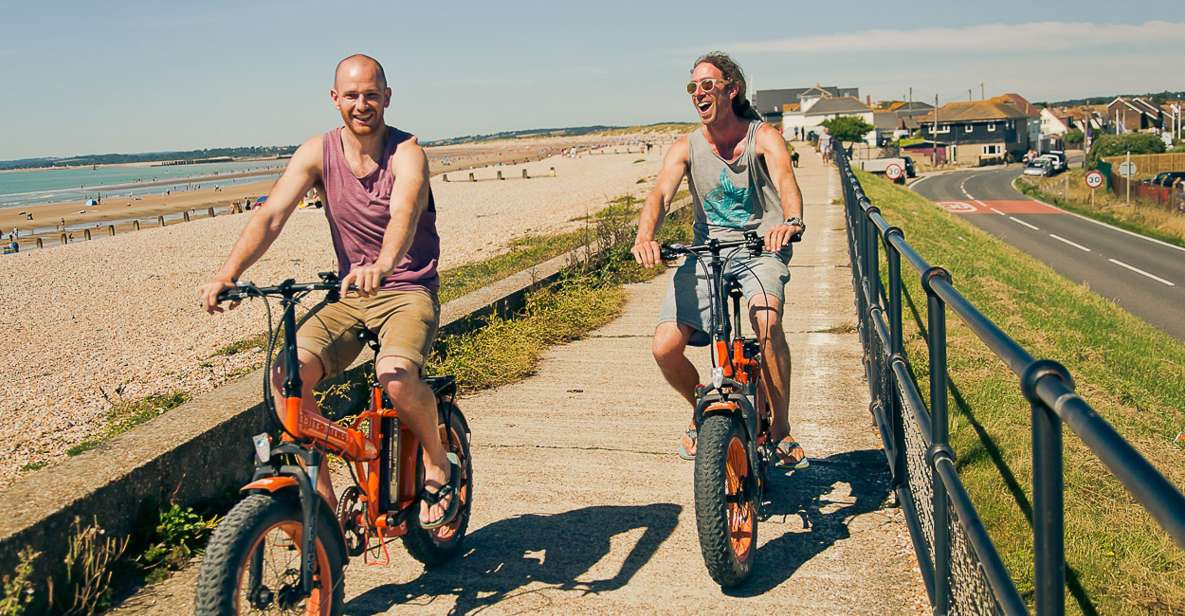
[92,323]
[147,208]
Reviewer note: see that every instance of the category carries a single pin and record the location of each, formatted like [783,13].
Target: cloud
[984,38]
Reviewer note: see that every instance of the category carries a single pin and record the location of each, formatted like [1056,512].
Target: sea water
[18,188]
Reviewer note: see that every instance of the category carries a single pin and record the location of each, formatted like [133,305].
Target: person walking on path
[740,178]
[825,145]
[382,219]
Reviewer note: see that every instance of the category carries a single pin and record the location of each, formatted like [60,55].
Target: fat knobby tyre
[727,530]
[438,545]
[224,565]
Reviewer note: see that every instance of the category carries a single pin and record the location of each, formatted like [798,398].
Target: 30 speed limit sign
[894,171]
[1094,179]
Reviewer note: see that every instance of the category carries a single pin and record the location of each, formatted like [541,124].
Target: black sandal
[448,490]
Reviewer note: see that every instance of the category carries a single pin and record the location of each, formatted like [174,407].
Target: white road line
[919,181]
[963,187]
[1103,224]
[1140,271]
[984,205]
[1074,244]
[1019,221]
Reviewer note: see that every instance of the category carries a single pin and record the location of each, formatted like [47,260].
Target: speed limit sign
[893,171]
[1094,179]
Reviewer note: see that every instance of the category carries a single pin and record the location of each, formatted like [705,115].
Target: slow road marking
[1140,271]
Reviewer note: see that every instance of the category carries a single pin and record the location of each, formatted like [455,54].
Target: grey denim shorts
[687,299]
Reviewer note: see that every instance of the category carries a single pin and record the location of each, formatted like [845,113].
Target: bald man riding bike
[382,219]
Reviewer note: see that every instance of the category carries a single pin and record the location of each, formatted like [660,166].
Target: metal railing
[962,570]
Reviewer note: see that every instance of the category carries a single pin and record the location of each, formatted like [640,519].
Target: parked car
[1059,160]
[910,170]
[1039,166]
[1166,178]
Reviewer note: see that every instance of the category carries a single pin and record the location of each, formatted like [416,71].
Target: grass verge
[1119,561]
[506,350]
[1069,192]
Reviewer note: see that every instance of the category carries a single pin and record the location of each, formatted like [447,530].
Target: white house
[1054,124]
[813,112]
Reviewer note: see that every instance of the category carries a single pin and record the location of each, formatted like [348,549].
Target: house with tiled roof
[1134,114]
[769,103]
[813,112]
[974,131]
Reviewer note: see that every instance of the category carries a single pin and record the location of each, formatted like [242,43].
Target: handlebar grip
[669,252]
[230,295]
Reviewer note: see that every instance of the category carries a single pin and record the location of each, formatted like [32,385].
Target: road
[1144,275]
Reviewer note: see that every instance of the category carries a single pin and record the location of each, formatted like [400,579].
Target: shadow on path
[810,511]
[557,550]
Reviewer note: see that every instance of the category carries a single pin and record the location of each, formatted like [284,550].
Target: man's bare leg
[400,378]
[765,313]
[311,373]
[670,340]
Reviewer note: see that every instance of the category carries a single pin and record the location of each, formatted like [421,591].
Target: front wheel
[252,565]
[438,545]
[725,499]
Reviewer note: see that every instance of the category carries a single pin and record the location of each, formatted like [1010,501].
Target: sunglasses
[707,85]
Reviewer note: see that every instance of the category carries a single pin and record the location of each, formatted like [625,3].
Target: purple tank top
[358,210]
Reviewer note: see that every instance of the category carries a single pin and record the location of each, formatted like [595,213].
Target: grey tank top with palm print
[730,198]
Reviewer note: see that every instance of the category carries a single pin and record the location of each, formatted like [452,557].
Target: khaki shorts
[405,321]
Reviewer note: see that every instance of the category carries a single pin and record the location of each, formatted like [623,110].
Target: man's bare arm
[772,146]
[674,167]
[409,199]
[303,170]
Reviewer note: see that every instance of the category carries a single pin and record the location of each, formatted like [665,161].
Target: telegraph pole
[982,96]
[969,99]
[934,135]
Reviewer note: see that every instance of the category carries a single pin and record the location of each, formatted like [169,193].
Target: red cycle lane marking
[997,206]
[1025,206]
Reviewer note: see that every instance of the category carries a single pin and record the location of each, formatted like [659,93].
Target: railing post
[896,349]
[936,319]
[1049,556]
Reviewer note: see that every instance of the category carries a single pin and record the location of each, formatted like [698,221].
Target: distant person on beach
[739,175]
[382,215]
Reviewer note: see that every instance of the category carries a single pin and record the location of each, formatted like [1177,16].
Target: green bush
[1118,145]
[1073,136]
[847,128]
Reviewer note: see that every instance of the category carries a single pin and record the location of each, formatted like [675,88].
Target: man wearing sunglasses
[739,174]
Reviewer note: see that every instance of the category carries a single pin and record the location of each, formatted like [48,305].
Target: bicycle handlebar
[243,290]
[752,241]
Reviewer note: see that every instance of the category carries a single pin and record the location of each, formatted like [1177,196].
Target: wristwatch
[794,220]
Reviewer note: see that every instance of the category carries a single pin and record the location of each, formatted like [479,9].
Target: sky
[86,78]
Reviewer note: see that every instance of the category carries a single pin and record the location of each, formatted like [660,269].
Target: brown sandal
[791,455]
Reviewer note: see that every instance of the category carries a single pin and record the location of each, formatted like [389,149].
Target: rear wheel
[437,545]
[725,499]
[252,565]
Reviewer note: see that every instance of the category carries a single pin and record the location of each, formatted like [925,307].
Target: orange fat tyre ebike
[281,549]
[734,448]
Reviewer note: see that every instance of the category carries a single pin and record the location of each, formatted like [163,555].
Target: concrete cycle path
[582,506]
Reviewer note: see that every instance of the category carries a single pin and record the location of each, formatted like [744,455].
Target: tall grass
[1119,560]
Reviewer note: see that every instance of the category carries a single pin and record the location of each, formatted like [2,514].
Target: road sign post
[1094,179]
